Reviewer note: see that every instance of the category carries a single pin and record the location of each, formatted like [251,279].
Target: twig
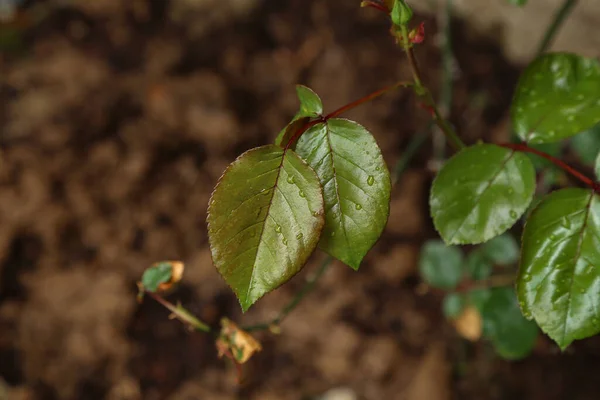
[308,287]
[559,18]
[181,313]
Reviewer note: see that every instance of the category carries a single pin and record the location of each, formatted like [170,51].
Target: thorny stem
[522,147]
[181,313]
[560,17]
[308,287]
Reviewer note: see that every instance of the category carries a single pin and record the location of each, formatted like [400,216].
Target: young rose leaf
[558,96]
[356,186]
[156,275]
[559,276]
[441,266]
[478,265]
[264,220]
[512,335]
[310,107]
[453,305]
[480,193]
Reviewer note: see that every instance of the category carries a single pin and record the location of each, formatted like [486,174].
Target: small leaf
[502,250]
[478,297]
[356,186]
[310,102]
[480,193]
[236,343]
[158,275]
[512,335]
[479,265]
[310,107]
[440,265]
[559,276]
[264,220]
[558,96]
[587,144]
[453,305]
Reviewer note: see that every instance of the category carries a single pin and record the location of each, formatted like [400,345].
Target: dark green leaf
[264,220]
[559,276]
[440,265]
[478,297]
[480,193]
[356,186]
[478,265]
[502,250]
[587,144]
[512,335]
[453,305]
[558,96]
[155,275]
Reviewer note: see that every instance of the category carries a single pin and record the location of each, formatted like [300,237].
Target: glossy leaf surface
[558,96]
[511,334]
[480,193]
[559,277]
[356,186]
[441,266]
[264,220]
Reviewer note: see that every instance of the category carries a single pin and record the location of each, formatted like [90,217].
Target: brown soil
[116,120]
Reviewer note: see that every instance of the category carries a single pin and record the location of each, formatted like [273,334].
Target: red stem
[522,147]
[342,110]
[376,6]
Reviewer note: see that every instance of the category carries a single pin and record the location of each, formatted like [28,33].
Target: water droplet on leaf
[278,229]
[290,179]
[513,214]
[527,278]
[284,241]
[358,207]
[301,194]
[370,180]
[299,236]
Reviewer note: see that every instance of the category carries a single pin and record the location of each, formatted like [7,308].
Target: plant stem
[344,109]
[561,15]
[308,287]
[559,163]
[425,95]
[181,313]
[491,282]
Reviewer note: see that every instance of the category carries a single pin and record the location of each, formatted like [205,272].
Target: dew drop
[527,315]
[301,194]
[278,229]
[315,213]
[265,191]
[570,118]
[299,236]
[290,179]
[513,214]
[358,207]
[552,237]
[284,241]
[527,278]
[589,269]
[582,291]
[565,222]
[370,180]
[332,234]
[580,97]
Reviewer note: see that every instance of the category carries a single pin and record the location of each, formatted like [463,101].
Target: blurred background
[117,117]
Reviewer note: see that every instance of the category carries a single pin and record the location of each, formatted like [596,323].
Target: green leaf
[558,96]
[587,144]
[502,250]
[286,133]
[356,186]
[512,335]
[155,275]
[479,297]
[453,305]
[440,265]
[264,221]
[310,102]
[559,277]
[478,265]
[480,193]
